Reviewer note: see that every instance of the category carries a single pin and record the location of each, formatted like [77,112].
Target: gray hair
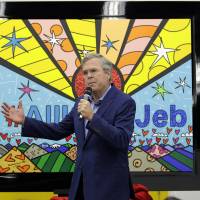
[105,63]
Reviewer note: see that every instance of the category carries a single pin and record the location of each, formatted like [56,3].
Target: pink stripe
[138,44]
[153,22]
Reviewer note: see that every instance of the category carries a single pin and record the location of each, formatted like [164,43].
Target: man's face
[95,76]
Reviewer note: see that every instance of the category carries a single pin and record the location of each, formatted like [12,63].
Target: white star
[85,52]
[162,52]
[53,40]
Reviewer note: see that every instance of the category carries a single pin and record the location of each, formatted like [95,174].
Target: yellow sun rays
[29,56]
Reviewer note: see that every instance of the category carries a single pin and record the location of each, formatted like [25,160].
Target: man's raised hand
[12,113]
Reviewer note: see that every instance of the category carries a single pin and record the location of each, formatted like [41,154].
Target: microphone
[86,96]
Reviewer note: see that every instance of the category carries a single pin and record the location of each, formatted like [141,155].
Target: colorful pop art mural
[40,64]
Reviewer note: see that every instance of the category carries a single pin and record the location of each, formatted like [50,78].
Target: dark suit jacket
[102,158]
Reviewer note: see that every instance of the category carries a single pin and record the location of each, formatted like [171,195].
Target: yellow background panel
[83,32]
[86,47]
[82,26]
[30,57]
[60,84]
[89,20]
[38,67]
[84,40]
[68,91]
[6,29]
[50,76]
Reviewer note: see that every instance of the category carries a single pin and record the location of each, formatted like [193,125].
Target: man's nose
[90,74]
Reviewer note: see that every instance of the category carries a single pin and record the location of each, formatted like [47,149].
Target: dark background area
[60,182]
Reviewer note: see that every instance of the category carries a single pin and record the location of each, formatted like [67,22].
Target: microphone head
[88,91]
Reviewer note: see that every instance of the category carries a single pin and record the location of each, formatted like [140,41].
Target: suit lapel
[82,130]
[103,107]
[81,127]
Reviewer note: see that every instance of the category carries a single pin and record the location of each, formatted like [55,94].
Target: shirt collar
[102,97]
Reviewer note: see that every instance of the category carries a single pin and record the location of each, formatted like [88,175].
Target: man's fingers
[84,101]
[5,107]
[5,114]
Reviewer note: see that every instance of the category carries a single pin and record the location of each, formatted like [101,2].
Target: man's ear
[108,73]
[109,77]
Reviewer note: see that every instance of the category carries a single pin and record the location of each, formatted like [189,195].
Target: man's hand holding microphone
[84,107]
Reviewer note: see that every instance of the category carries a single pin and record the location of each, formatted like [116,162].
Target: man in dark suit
[103,134]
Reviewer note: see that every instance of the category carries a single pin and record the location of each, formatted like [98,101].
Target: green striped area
[58,164]
[50,163]
[23,147]
[67,165]
[167,165]
[40,161]
[183,159]
[73,168]
[53,162]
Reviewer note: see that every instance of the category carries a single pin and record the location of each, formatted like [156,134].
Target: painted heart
[169,130]
[18,141]
[141,142]
[4,136]
[3,170]
[177,131]
[20,157]
[175,140]
[75,139]
[9,158]
[188,140]
[149,141]
[30,141]
[145,132]
[158,139]
[189,128]
[23,168]
[68,138]
[165,140]
[153,130]
[9,122]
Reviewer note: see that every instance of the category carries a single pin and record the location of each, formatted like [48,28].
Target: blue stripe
[180,166]
[185,153]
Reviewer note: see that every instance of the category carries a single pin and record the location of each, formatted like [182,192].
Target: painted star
[161,52]
[109,44]
[14,42]
[160,89]
[84,52]
[182,83]
[26,90]
[53,40]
